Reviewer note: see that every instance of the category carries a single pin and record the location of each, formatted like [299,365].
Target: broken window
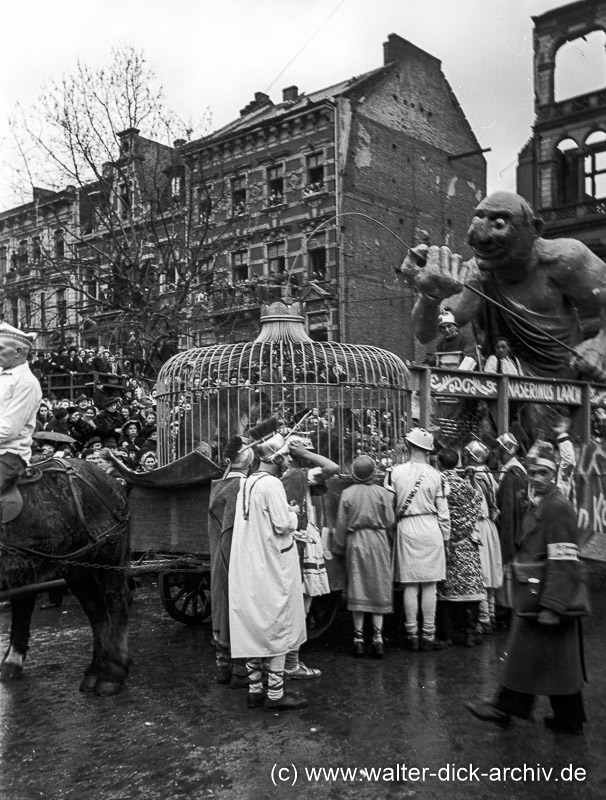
[580,66]
[595,165]
[568,162]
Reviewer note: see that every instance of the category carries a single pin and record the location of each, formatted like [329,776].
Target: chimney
[179,142]
[261,99]
[290,94]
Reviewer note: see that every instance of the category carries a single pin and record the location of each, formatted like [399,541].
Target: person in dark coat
[221,513]
[544,655]
[109,421]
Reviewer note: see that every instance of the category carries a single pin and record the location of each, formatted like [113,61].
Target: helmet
[477,451]
[421,438]
[508,442]
[446,318]
[271,448]
[363,468]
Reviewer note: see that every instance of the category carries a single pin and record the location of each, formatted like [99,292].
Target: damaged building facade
[562,168]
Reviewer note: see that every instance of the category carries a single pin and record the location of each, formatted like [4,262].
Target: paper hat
[8,332]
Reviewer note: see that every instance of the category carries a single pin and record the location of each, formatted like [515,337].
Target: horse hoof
[10,672]
[88,684]
[108,688]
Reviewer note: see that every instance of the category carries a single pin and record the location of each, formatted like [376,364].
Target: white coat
[266,614]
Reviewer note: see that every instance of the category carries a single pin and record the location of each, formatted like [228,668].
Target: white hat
[508,442]
[420,438]
[8,332]
[446,318]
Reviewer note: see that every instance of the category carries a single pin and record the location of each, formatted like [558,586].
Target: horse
[74,525]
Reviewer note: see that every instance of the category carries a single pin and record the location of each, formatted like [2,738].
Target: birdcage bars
[354,398]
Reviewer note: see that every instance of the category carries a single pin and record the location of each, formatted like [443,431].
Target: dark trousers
[11,468]
[567,708]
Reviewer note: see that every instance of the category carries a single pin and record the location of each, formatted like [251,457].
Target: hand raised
[436,272]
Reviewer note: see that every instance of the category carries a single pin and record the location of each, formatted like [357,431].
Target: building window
[27,311]
[14,312]
[567,172]
[317,264]
[595,165]
[42,310]
[276,258]
[3,260]
[61,308]
[36,249]
[124,200]
[59,245]
[22,254]
[177,188]
[275,185]
[203,202]
[239,266]
[238,195]
[315,174]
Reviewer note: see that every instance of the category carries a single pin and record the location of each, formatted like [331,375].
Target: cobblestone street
[175,734]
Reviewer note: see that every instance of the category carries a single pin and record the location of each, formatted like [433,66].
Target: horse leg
[104,596]
[11,666]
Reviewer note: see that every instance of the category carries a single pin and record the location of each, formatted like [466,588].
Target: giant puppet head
[502,235]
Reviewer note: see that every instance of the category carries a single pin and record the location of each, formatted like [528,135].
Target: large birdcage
[353,398]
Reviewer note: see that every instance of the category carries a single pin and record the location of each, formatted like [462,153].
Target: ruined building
[562,168]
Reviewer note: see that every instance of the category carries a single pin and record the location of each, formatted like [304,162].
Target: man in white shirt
[20,396]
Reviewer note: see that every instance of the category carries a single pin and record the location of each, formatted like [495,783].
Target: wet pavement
[175,734]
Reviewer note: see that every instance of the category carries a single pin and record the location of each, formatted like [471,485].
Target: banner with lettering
[591,500]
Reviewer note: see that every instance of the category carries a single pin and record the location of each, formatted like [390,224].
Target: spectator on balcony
[100,362]
[114,367]
[73,364]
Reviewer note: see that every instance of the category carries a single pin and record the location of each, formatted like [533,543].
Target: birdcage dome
[353,397]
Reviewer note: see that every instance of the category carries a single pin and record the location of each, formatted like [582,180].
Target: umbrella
[52,436]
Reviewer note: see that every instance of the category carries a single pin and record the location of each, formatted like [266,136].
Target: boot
[358,644]
[378,648]
[290,701]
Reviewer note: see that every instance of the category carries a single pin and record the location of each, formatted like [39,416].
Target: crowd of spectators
[124,425]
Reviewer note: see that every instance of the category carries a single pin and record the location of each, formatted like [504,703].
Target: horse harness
[14,498]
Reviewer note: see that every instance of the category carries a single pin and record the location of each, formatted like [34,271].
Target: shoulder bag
[528,580]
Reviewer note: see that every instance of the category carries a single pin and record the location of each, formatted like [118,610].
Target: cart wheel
[186,596]
[322,612]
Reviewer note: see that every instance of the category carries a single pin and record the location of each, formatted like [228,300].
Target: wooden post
[502,404]
[425,396]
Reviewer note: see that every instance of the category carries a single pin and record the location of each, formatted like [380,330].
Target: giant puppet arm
[442,279]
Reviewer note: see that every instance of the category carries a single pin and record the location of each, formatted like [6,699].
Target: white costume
[266,614]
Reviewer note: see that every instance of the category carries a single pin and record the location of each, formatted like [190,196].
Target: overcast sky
[215,54]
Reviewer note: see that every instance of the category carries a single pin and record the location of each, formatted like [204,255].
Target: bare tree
[134,252]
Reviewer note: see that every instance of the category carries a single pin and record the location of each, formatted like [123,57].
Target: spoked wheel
[186,596]
[322,613]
